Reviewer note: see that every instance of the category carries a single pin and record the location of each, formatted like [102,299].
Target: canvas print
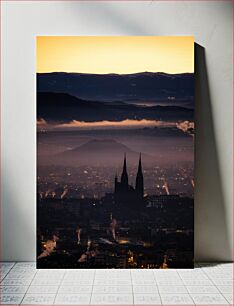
[115,152]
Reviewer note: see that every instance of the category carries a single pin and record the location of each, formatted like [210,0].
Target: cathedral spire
[124,176]
[116,183]
[125,164]
[139,165]
[140,180]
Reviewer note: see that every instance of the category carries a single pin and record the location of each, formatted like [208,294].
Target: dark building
[127,194]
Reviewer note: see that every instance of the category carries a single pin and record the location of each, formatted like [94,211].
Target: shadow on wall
[211,232]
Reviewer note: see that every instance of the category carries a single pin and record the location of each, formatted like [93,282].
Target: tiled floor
[207,284]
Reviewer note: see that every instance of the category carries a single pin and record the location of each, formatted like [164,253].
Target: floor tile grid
[59,287]
[131,282]
[195,269]
[187,295]
[92,287]
[29,286]
[157,288]
[2,276]
[211,279]
[132,286]
[41,275]
[202,273]
[199,274]
[220,270]
[199,269]
[11,269]
[2,264]
[112,277]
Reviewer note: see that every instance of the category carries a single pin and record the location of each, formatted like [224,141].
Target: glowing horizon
[115,54]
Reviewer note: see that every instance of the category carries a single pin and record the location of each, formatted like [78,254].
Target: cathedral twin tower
[125,193]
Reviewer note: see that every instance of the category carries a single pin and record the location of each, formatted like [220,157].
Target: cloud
[41,121]
[186,127]
[127,123]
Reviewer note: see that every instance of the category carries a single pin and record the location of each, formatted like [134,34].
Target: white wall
[211,24]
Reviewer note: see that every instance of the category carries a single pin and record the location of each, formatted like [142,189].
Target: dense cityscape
[96,181]
[93,225]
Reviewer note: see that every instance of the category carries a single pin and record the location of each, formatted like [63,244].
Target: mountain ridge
[99,151]
[117,74]
[63,107]
[142,86]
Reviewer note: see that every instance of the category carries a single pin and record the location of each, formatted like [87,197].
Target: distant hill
[143,86]
[63,107]
[98,152]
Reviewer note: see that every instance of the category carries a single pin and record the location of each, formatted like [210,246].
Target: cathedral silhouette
[126,194]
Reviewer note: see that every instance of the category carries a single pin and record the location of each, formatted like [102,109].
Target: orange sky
[115,54]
